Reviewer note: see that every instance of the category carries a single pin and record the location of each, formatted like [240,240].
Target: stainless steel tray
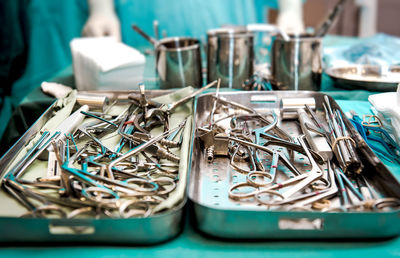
[366,77]
[218,215]
[141,231]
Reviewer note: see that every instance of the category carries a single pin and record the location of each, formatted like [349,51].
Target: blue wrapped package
[380,49]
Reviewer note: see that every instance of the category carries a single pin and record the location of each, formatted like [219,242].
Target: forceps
[300,182]
[141,147]
[272,140]
[271,174]
[253,165]
[312,176]
[163,110]
[307,198]
[41,145]
[285,161]
[262,130]
[342,181]
[389,145]
[281,133]
[319,195]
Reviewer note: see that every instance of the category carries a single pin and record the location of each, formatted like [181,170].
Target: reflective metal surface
[297,63]
[230,56]
[218,215]
[368,77]
[178,63]
[141,231]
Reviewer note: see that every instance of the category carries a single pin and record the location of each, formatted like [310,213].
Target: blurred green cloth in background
[51,25]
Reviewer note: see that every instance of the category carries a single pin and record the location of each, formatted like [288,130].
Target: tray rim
[374,85]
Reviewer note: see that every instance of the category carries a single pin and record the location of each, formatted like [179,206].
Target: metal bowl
[366,77]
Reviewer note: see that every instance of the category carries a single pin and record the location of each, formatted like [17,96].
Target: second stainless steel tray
[218,215]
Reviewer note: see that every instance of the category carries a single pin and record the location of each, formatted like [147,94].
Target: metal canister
[297,63]
[178,63]
[94,101]
[230,56]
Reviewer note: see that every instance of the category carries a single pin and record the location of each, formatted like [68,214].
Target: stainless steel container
[230,56]
[178,63]
[139,231]
[215,214]
[365,77]
[297,63]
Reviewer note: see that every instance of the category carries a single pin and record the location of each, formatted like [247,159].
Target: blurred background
[357,17]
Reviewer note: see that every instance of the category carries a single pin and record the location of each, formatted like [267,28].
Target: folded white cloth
[103,63]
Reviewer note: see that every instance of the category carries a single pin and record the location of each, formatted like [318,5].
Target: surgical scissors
[300,182]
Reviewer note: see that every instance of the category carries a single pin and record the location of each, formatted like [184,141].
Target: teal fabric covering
[189,18]
[52,25]
[192,245]
[13,50]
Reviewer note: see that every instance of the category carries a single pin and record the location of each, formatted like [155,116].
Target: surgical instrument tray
[43,226]
[228,199]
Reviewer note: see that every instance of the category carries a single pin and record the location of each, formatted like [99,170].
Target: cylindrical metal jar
[230,56]
[178,63]
[297,63]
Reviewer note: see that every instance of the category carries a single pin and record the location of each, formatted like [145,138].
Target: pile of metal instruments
[295,157]
[374,134]
[104,164]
